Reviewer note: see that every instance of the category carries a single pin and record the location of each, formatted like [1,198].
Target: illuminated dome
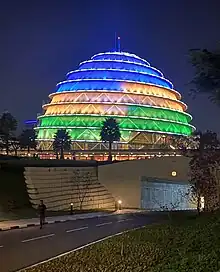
[119,85]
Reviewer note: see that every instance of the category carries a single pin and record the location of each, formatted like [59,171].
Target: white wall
[123,179]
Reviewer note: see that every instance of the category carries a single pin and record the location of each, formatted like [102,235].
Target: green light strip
[157,112]
[84,122]
[95,120]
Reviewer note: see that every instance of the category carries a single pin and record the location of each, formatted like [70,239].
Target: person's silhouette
[42,209]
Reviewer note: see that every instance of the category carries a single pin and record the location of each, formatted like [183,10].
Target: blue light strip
[121,54]
[144,77]
[122,61]
[101,80]
[118,57]
[114,70]
[119,104]
[28,122]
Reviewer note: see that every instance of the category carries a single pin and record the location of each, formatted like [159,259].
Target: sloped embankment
[13,192]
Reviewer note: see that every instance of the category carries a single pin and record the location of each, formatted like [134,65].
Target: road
[23,247]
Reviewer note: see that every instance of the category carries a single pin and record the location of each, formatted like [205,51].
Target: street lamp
[173,173]
[71,208]
[119,204]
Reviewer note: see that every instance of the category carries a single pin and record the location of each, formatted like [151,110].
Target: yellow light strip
[147,102]
[149,89]
[90,109]
[129,98]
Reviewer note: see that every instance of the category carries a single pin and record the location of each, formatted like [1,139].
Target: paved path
[20,248]
[22,223]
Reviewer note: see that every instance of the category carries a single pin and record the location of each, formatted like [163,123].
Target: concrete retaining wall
[61,186]
[123,179]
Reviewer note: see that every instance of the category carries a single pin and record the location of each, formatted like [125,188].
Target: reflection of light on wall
[173,173]
[202,202]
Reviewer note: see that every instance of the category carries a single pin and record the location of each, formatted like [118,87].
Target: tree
[203,166]
[27,139]
[110,133]
[83,182]
[14,145]
[207,73]
[8,125]
[184,143]
[62,142]
[178,201]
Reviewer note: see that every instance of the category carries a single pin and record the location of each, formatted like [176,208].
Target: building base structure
[139,140]
[143,145]
[156,184]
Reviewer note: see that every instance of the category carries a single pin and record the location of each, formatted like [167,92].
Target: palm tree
[61,143]
[110,133]
[8,125]
[27,139]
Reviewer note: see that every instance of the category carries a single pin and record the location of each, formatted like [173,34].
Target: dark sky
[42,40]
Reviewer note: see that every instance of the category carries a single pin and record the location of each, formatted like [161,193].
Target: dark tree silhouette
[62,142]
[207,73]
[27,139]
[203,170]
[8,125]
[110,133]
[83,182]
[14,145]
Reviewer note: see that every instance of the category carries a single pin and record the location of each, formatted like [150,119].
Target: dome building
[114,84]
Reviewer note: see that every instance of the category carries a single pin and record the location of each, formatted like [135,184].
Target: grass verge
[185,244]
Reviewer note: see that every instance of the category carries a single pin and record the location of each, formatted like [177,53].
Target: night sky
[42,40]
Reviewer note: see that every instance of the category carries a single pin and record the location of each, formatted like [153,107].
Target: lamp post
[71,208]
[119,204]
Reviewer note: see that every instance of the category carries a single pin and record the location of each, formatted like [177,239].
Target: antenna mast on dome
[117,43]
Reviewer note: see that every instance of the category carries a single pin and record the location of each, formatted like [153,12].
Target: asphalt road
[23,247]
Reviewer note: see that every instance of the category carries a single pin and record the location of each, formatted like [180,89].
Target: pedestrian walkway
[24,223]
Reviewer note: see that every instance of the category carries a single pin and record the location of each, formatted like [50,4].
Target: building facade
[145,104]
[154,184]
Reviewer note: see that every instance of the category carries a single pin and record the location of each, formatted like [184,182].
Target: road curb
[50,222]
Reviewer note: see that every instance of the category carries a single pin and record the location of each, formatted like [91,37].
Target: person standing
[42,209]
